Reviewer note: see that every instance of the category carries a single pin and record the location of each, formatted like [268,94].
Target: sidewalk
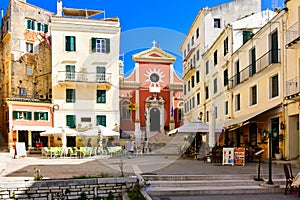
[23,168]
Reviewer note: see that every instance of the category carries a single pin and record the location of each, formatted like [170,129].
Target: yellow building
[292,80]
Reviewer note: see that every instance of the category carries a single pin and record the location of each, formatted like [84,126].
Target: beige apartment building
[291,103]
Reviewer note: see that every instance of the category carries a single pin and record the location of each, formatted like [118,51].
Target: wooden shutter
[45,116]
[45,28]
[107,45]
[72,43]
[29,115]
[94,44]
[15,114]
[28,23]
[67,43]
[71,121]
[39,25]
[36,115]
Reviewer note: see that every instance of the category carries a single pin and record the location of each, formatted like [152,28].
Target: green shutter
[94,44]
[33,25]
[29,115]
[36,115]
[46,28]
[39,26]
[15,114]
[72,43]
[28,23]
[107,45]
[45,116]
[67,43]
[101,120]
[71,121]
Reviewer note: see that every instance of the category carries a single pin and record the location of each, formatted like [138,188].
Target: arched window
[180,111]
[125,112]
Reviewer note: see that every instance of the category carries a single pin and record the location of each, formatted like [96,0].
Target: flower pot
[278,156]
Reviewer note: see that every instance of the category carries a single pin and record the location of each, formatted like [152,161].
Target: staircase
[183,185]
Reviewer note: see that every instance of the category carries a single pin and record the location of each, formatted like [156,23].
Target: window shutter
[45,116]
[39,26]
[36,116]
[72,43]
[36,47]
[29,115]
[46,28]
[67,43]
[28,23]
[33,25]
[71,121]
[107,50]
[94,44]
[15,114]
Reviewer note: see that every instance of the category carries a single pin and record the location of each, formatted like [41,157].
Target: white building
[85,69]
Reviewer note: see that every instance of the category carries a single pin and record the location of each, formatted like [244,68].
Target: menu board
[21,150]
[239,156]
[228,156]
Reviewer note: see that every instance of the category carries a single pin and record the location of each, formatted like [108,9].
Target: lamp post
[145,139]
[270,136]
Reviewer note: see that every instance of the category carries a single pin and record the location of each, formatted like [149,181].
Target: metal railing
[293,33]
[272,56]
[292,86]
[83,77]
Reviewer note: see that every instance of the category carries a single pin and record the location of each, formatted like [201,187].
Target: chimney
[59,8]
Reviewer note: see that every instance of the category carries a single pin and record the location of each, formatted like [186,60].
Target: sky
[142,22]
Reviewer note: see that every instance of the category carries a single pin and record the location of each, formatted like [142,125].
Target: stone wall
[66,189]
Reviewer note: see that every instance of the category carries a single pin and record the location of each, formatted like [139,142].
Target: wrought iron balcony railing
[293,34]
[85,77]
[271,57]
[292,87]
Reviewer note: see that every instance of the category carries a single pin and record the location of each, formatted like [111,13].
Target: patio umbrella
[105,132]
[194,126]
[60,131]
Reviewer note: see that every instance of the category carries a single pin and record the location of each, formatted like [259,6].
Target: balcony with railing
[293,36]
[188,67]
[271,57]
[83,77]
[293,88]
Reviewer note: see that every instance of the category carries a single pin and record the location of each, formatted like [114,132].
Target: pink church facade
[151,97]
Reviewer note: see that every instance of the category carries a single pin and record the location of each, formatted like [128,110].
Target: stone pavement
[23,168]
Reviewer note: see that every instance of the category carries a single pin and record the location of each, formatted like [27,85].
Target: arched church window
[125,112]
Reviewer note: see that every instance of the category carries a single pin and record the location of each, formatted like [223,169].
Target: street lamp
[270,136]
[145,139]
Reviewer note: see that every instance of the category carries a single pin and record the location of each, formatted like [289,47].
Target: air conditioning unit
[42,96]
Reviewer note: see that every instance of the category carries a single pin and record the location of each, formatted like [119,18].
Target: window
[25,115]
[253,95]
[190,104]
[207,67]
[216,57]
[184,53]
[207,116]
[225,46]
[70,72]
[71,121]
[42,27]
[30,24]
[226,107]
[100,45]
[225,77]
[274,47]
[22,91]
[237,102]
[217,23]
[42,116]
[197,76]
[184,89]
[70,95]
[193,81]
[180,111]
[101,96]
[197,33]
[198,98]
[246,36]
[188,47]
[28,70]
[100,74]
[215,85]
[125,112]
[101,120]
[189,85]
[216,112]
[198,54]
[70,43]
[193,40]
[29,47]
[237,72]
[206,92]
[274,86]
[252,67]
[193,102]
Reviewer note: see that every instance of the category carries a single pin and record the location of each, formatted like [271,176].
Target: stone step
[244,189]
[205,177]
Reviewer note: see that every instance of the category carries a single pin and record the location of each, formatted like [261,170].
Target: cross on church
[154,43]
